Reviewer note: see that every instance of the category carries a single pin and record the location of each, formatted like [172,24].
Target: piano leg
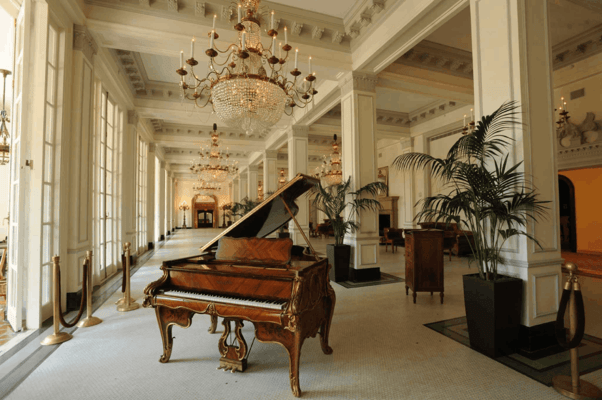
[213,326]
[167,318]
[291,341]
[325,327]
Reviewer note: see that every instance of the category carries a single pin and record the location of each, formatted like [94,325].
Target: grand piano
[240,276]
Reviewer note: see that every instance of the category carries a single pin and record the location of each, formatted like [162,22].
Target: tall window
[107,194]
[50,178]
[142,165]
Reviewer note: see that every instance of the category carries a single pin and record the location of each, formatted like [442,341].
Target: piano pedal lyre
[234,358]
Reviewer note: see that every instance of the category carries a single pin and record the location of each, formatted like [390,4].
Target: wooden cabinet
[424,261]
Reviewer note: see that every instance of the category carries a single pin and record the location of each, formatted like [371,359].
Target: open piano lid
[270,214]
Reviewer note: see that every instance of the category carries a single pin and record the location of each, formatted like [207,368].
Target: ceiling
[163,69]
[334,8]
[566,21]
[395,100]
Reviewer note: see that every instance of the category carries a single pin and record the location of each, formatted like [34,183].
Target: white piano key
[274,305]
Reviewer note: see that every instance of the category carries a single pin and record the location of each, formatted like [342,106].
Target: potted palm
[333,200]
[495,200]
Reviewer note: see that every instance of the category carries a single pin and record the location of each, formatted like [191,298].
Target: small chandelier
[4,135]
[563,118]
[468,129]
[260,191]
[206,188]
[251,88]
[281,179]
[214,164]
[330,172]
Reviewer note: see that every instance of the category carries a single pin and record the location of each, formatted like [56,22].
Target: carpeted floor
[588,264]
[382,350]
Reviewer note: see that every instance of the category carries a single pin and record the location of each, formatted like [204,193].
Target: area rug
[384,279]
[587,264]
[542,369]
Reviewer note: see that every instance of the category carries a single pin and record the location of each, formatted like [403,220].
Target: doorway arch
[568,221]
[206,208]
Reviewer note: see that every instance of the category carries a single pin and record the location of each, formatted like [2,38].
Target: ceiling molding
[440,58]
[577,48]
[432,111]
[362,15]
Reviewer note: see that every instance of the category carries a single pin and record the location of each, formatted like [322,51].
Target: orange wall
[588,204]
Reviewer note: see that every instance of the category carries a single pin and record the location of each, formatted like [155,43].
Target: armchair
[394,237]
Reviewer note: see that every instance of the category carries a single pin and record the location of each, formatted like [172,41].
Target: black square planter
[493,311]
[338,258]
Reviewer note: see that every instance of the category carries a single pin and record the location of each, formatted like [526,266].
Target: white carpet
[381,351]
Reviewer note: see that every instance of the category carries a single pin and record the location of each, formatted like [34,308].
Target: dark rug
[384,279]
[542,369]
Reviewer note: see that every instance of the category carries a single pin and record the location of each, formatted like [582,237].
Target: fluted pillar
[150,197]
[297,163]
[270,171]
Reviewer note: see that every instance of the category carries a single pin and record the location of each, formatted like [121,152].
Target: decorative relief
[296,28]
[316,32]
[439,58]
[83,41]
[199,9]
[577,48]
[131,70]
[432,111]
[358,81]
[227,12]
[585,133]
[157,124]
[362,16]
[337,37]
[144,3]
[172,5]
[133,117]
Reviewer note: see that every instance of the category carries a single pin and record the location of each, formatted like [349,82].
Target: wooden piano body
[286,302]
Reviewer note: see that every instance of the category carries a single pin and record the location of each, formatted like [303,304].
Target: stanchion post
[572,386]
[89,320]
[57,337]
[127,305]
[122,299]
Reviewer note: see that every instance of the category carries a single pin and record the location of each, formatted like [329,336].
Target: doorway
[568,223]
[205,218]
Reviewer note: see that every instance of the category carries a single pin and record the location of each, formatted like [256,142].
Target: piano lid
[270,214]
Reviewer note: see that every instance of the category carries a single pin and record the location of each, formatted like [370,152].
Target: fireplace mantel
[389,207]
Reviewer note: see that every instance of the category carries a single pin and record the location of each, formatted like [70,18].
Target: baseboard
[364,275]
[590,253]
[538,341]
[74,299]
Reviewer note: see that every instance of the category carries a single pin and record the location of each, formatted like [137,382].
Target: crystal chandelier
[206,188]
[330,172]
[468,129]
[281,179]
[260,191]
[4,136]
[251,88]
[214,165]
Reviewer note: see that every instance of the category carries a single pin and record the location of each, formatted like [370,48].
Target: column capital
[253,168]
[270,154]
[133,117]
[151,147]
[361,81]
[84,42]
[298,131]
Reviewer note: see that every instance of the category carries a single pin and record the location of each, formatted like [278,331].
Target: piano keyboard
[274,305]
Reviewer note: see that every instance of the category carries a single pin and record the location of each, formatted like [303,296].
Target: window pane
[47,163]
[46,243]
[46,284]
[110,109]
[51,44]
[109,255]
[102,259]
[47,210]
[110,133]
[110,160]
[109,184]
[49,128]
[103,104]
[102,157]
[50,80]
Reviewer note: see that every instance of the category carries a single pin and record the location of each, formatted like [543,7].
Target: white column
[515,64]
[242,185]
[129,185]
[76,196]
[161,189]
[270,171]
[297,163]
[150,196]
[168,202]
[252,181]
[358,128]
[235,190]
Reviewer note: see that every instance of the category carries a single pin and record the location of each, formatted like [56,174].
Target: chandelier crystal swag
[253,85]
[204,188]
[330,171]
[214,164]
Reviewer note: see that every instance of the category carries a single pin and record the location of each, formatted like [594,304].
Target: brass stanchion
[123,280]
[57,337]
[89,320]
[572,386]
[127,304]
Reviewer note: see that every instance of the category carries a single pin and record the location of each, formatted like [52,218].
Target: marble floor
[382,350]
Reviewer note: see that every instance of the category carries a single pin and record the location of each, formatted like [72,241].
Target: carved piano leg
[294,355]
[167,318]
[325,328]
[213,326]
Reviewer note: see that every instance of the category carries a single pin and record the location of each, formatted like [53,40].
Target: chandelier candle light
[563,118]
[214,165]
[468,129]
[281,179]
[331,173]
[251,88]
[205,188]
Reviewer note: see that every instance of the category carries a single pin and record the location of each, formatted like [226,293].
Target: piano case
[240,275]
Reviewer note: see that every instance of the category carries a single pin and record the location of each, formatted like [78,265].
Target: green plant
[491,198]
[332,201]
[239,209]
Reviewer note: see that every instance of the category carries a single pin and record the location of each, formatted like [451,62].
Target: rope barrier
[572,386]
[83,302]
[89,320]
[126,303]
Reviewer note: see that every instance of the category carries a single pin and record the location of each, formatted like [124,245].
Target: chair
[394,237]
[312,231]
[2,274]
[325,229]
[455,240]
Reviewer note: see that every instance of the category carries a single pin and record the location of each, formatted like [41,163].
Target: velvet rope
[123,260]
[560,330]
[84,298]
